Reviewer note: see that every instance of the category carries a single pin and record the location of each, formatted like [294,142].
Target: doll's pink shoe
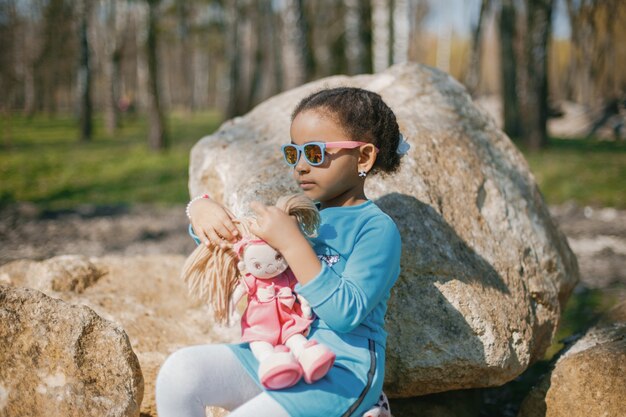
[316,361]
[280,369]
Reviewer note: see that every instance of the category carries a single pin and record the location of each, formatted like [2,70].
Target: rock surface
[143,295]
[485,271]
[72,273]
[63,360]
[588,380]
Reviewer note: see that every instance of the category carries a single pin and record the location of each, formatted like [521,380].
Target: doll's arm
[306,307]
[233,315]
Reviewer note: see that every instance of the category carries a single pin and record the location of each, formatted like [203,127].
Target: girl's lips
[305,185]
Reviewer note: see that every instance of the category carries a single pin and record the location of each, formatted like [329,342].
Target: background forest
[126,73]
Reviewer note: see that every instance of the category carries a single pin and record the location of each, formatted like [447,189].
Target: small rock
[62,360]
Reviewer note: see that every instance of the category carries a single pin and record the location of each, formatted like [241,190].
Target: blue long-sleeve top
[359,248]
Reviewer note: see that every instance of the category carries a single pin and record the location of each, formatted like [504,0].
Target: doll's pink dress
[273,314]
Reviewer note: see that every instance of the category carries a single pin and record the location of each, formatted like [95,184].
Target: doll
[276,321]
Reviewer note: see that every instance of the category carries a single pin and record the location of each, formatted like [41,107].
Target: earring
[362,174]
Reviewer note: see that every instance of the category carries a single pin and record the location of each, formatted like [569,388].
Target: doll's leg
[198,376]
[278,368]
[315,359]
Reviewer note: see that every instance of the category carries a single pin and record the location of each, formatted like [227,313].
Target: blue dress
[360,248]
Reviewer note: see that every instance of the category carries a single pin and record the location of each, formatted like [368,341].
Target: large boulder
[485,270]
[63,360]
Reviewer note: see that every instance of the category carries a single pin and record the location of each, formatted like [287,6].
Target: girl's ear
[367,157]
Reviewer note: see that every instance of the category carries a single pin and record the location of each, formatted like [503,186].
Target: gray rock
[63,360]
[485,270]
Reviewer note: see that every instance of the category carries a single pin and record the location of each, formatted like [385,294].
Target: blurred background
[102,100]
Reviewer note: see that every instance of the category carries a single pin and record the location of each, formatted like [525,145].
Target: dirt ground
[596,235]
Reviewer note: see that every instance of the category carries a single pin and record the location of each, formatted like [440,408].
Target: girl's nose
[302,166]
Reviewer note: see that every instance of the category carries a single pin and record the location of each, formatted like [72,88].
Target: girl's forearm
[302,260]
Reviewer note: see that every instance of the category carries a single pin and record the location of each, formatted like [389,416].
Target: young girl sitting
[339,137]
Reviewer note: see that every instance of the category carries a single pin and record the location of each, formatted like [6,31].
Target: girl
[339,137]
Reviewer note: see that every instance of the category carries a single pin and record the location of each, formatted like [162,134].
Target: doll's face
[262,261]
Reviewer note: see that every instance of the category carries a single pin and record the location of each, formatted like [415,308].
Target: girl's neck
[344,200]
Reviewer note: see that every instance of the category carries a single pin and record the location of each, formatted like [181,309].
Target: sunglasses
[314,151]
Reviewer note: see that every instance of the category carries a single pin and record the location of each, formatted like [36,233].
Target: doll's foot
[380,409]
[280,369]
[316,361]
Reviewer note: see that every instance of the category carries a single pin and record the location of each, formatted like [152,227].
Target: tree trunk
[366,62]
[112,69]
[303,41]
[277,51]
[380,31]
[186,56]
[535,104]
[401,30]
[157,136]
[508,63]
[472,77]
[261,17]
[233,47]
[392,32]
[84,76]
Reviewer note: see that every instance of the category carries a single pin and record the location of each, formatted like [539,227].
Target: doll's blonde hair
[211,272]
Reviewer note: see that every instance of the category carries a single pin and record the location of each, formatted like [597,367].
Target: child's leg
[260,406]
[199,376]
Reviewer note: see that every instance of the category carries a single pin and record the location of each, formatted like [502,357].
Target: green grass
[583,309]
[42,161]
[588,172]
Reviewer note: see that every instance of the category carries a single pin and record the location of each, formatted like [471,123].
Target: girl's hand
[212,222]
[275,226]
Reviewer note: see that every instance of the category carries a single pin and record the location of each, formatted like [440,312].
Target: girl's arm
[210,221]
[371,269]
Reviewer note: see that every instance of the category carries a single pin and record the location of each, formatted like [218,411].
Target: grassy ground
[589,172]
[42,162]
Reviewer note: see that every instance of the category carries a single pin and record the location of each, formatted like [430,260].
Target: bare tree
[275,30]
[381,39]
[113,42]
[534,97]
[85,106]
[157,135]
[303,40]
[8,32]
[234,59]
[508,63]
[472,76]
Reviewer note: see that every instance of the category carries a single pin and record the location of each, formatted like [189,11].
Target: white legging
[210,375]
